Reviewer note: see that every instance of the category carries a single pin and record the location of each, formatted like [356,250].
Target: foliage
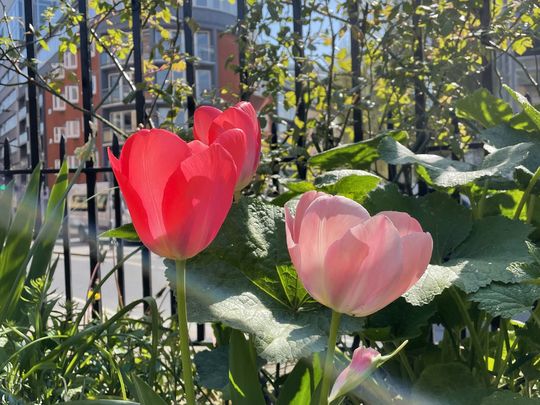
[394,134]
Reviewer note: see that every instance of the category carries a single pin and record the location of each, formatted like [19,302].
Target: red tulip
[212,126]
[351,262]
[178,193]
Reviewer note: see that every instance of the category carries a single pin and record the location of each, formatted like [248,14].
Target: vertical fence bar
[32,90]
[241,16]
[392,172]
[117,202]
[65,239]
[141,119]
[356,70]
[7,161]
[86,81]
[419,94]
[486,78]
[190,69]
[301,111]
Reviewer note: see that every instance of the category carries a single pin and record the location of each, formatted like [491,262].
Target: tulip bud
[364,362]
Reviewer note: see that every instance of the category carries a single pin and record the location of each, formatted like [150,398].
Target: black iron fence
[91,171]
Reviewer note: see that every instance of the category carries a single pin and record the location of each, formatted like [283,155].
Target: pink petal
[202,120]
[342,263]
[295,223]
[404,223]
[375,284]
[417,250]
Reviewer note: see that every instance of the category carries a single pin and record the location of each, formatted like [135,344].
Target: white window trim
[70,60]
[73,129]
[72,93]
[58,104]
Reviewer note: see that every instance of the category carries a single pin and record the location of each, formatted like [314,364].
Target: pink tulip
[213,126]
[351,262]
[178,193]
[364,362]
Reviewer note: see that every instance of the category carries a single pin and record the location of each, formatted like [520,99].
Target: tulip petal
[197,146]
[342,263]
[417,250]
[234,141]
[136,209]
[324,221]
[295,223]
[196,215]
[234,117]
[202,120]
[374,286]
[361,367]
[404,223]
[152,156]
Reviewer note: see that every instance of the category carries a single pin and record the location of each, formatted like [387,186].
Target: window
[121,89]
[57,163]
[72,93]
[124,120]
[58,104]
[94,85]
[203,46]
[70,60]
[58,133]
[203,81]
[73,129]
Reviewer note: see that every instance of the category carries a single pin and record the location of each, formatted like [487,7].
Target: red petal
[202,120]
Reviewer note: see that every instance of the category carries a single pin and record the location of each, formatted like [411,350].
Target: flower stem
[329,358]
[527,193]
[181,309]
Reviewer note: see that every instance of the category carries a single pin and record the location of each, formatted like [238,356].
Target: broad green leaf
[447,384]
[444,172]
[490,253]
[502,136]
[126,231]
[448,222]
[508,398]
[485,108]
[354,184]
[507,300]
[13,258]
[528,109]
[358,155]
[243,372]
[213,368]
[44,243]
[299,385]
[398,321]
[6,201]
[219,292]
[295,292]
[145,393]
[99,402]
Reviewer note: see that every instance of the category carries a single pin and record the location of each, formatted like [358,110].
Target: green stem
[526,193]
[329,358]
[470,325]
[181,309]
